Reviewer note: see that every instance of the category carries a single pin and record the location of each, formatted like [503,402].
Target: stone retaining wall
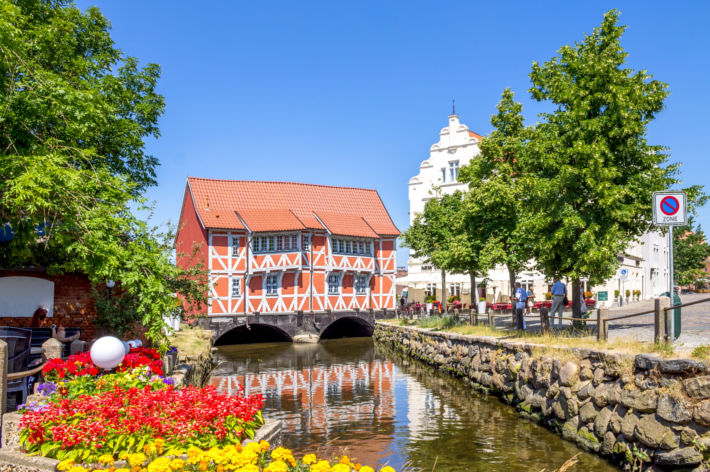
[641,411]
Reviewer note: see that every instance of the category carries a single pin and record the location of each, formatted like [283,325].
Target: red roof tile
[345,225]
[475,135]
[218,202]
[261,221]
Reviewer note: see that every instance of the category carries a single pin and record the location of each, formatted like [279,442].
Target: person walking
[521,297]
[531,301]
[559,292]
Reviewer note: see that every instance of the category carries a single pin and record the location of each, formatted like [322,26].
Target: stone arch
[252,333]
[348,327]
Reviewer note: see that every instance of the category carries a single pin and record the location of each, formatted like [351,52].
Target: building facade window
[236,287]
[235,246]
[275,243]
[454,289]
[361,284]
[306,242]
[351,246]
[454,171]
[333,284]
[430,290]
[272,285]
[443,174]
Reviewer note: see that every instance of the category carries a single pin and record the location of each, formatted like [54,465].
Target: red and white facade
[281,247]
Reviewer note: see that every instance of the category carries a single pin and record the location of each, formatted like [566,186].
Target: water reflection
[383,408]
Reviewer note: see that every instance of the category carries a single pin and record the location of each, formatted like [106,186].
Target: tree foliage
[590,172]
[496,201]
[690,253]
[74,114]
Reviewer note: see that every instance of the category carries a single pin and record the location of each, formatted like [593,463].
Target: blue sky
[355,93]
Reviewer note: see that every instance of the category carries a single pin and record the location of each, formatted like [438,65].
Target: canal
[356,397]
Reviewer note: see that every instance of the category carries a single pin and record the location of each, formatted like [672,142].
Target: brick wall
[73,305]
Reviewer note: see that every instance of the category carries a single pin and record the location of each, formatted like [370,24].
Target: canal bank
[629,409]
[381,407]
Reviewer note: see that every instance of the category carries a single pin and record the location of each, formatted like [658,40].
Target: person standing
[559,292]
[521,297]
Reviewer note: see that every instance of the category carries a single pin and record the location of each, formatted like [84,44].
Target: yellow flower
[106,459]
[387,469]
[77,468]
[309,459]
[150,449]
[136,459]
[345,460]
[122,469]
[177,464]
[65,464]
[263,446]
[277,466]
[161,464]
[159,443]
[340,468]
[366,468]
[248,468]
[320,466]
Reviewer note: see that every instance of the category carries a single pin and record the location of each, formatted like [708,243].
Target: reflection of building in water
[331,398]
[425,406]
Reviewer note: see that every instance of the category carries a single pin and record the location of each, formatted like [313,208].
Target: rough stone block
[674,410]
[681,366]
[701,413]
[628,425]
[569,374]
[685,457]
[601,422]
[646,361]
[651,433]
[698,387]
[587,412]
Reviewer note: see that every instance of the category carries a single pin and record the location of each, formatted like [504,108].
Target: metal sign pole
[671,335]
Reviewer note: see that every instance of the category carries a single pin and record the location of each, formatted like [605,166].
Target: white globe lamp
[107,352]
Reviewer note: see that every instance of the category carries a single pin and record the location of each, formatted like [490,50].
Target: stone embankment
[648,412]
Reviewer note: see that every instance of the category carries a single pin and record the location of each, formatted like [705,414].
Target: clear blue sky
[355,93]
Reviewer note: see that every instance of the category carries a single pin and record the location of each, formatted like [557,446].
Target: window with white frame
[306,242]
[361,284]
[443,174]
[235,246]
[454,171]
[333,284]
[272,284]
[351,246]
[454,289]
[236,287]
[430,290]
[275,243]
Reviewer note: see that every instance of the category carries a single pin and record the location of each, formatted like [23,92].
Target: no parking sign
[669,209]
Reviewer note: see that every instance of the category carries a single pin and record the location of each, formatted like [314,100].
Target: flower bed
[79,365]
[253,457]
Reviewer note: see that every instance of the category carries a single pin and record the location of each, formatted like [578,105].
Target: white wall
[21,296]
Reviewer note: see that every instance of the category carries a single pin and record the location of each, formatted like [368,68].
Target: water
[381,408]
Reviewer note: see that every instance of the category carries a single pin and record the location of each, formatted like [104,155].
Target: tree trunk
[511,275]
[576,305]
[474,291]
[443,291]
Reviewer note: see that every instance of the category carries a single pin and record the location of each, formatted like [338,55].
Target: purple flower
[172,349]
[47,388]
[169,381]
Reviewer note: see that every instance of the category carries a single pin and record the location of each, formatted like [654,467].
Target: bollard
[602,325]
[52,349]
[491,323]
[3,376]
[544,320]
[77,346]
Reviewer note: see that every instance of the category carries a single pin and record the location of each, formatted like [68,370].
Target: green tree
[74,114]
[432,236]
[590,172]
[496,202]
[690,253]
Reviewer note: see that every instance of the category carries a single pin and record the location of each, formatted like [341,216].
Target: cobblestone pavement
[695,322]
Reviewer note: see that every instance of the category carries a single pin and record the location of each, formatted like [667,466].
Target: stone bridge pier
[295,327]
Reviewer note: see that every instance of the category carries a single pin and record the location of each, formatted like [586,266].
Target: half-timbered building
[283,247]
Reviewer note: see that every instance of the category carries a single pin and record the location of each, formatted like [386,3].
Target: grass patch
[701,352]
[191,341]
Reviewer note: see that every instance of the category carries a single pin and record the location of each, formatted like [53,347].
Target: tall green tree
[74,116]
[432,237]
[496,202]
[590,172]
[690,254]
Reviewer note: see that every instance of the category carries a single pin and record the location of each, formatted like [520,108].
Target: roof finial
[453,106]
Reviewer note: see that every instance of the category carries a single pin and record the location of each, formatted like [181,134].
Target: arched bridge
[296,327]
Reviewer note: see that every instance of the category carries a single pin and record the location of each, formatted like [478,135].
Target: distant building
[277,247]
[646,261]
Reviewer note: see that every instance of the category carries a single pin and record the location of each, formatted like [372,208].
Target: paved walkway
[695,322]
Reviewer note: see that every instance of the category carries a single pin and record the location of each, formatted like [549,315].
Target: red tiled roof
[279,219]
[345,225]
[264,204]
[475,135]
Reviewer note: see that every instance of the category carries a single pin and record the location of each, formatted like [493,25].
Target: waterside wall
[644,411]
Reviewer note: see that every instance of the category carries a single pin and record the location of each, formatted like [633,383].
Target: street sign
[603,296]
[624,275]
[670,209]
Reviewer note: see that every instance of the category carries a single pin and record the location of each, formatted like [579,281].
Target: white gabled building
[646,261]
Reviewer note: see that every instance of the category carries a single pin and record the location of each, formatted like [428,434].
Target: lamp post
[109,285]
